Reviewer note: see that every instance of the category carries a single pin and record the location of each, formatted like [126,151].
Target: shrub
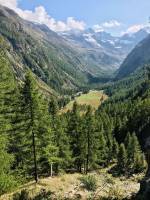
[43,195]
[89,182]
[7,183]
[23,195]
[115,193]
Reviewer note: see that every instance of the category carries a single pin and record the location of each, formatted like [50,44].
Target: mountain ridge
[139,57]
[65,61]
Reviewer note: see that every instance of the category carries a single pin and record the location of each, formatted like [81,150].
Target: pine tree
[115,149]
[138,158]
[53,107]
[6,179]
[129,148]
[61,141]
[102,153]
[7,92]
[74,132]
[122,159]
[34,131]
[91,139]
[110,154]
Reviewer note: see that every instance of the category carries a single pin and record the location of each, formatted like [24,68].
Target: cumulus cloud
[106,25]
[111,24]
[133,29]
[98,28]
[40,15]
[9,3]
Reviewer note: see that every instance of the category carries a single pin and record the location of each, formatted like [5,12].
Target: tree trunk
[35,160]
[88,150]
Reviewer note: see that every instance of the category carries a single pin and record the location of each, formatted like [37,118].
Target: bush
[7,183]
[23,195]
[89,182]
[115,193]
[43,195]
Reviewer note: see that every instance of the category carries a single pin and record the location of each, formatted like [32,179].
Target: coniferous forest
[36,138]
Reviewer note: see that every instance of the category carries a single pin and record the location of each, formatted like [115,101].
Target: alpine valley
[74,113]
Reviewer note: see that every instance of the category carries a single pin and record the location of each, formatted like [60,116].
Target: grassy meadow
[93,98]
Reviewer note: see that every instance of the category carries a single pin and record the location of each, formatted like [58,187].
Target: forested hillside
[36,47]
[34,136]
[136,59]
[56,60]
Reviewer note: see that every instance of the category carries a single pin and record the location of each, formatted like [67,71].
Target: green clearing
[94,98]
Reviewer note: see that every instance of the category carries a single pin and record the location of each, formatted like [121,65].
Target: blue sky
[114,16]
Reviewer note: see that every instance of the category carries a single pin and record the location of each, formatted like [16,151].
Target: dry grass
[69,185]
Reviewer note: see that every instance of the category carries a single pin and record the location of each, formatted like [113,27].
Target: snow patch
[88,37]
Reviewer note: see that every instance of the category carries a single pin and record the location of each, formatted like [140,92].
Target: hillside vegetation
[136,59]
[34,136]
[70,186]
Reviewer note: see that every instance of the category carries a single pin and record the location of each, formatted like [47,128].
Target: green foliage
[102,149]
[7,86]
[89,182]
[7,181]
[23,195]
[43,195]
[33,135]
[61,141]
[122,159]
[33,132]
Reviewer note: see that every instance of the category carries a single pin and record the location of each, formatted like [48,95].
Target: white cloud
[137,27]
[98,28]
[106,25]
[89,38]
[9,3]
[133,29]
[111,24]
[40,15]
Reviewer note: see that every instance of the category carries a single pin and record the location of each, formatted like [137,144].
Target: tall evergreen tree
[7,95]
[129,148]
[115,149]
[74,132]
[6,159]
[61,141]
[102,152]
[122,159]
[53,107]
[35,133]
[138,159]
[91,139]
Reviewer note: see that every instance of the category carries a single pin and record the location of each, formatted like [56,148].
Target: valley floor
[69,186]
[93,98]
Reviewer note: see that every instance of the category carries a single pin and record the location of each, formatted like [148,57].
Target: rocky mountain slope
[36,47]
[63,61]
[136,59]
[102,50]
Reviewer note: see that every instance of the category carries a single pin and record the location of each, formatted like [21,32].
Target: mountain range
[139,57]
[102,50]
[66,60]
